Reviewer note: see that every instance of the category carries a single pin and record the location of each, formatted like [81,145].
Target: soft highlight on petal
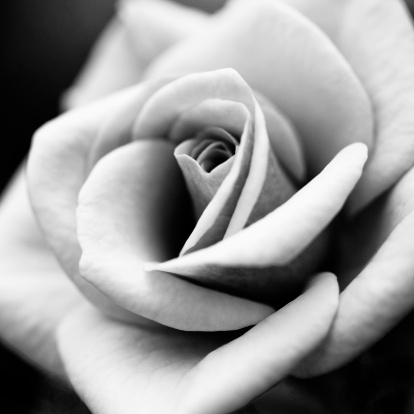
[57,168]
[377,39]
[298,222]
[296,330]
[180,372]
[164,107]
[290,61]
[117,238]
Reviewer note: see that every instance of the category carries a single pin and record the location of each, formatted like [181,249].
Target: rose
[165,108]
[387,315]
[301,117]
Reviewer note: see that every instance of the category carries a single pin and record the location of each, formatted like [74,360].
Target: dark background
[42,46]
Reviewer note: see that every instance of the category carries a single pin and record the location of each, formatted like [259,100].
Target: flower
[373,297]
[117,239]
[328,106]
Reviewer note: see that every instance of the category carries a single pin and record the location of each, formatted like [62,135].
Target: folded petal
[158,370]
[377,39]
[378,258]
[291,62]
[296,223]
[57,169]
[254,186]
[160,113]
[245,368]
[117,238]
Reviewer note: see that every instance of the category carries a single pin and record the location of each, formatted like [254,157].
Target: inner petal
[213,146]
[162,110]
[300,71]
[205,161]
[228,115]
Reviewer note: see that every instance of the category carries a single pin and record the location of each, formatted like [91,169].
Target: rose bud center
[212,147]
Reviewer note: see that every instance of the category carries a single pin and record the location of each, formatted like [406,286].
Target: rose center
[212,147]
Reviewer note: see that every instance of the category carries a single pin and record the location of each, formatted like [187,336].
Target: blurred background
[42,47]
[43,44]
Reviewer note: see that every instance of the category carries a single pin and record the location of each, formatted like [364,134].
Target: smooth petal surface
[266,186]
[34,292]
[160,113]
[378,253]
[117,238]
[298,222]
[164,365]
[377,39]
[325,101]
[140,31]
[60,150]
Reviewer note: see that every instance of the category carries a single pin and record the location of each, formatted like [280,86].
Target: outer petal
[377,38]
[141,30]
[118,238]
[379,250]
[57,168]
[158,370]
[34,292]
[325,101]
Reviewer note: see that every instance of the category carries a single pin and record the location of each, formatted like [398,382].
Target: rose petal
[295,330]
[140,31]
[231,116]
[377,38]
[284,140]
[116,239]
[212,225]
[225,114]
[116,129]
[291,62]
[266,187]
[161,111]
[57,168]
[372,304]
[298,221]
[153,370]
[201,185]
[378,254]
[34,293]
[254,186]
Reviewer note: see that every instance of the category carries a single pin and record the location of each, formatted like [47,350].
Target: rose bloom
[200,198]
